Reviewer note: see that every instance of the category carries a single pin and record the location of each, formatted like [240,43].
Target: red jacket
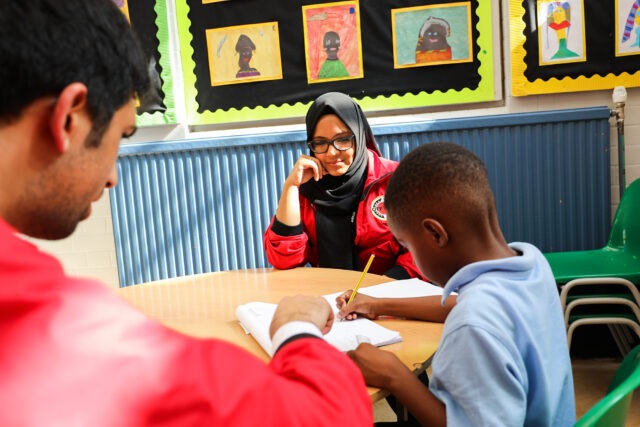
[372,232]
[72,353]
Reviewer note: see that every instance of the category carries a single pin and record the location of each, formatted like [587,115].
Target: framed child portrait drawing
[627,18]
[432,35]
[333,45]
[561,33]
[244,53]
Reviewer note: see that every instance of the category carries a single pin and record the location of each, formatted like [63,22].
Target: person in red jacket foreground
[72,353]
[331,212]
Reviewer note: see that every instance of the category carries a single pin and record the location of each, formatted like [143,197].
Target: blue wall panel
[202,205]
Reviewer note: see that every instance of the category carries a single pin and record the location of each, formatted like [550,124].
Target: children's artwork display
[627,18]
[250,61]
[573,45]
[124,7]
[244,53]
[561,32]
[432,35]
[332,41]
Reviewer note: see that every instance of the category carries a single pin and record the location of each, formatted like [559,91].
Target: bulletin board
[250,61]
[573,45]
[149,21]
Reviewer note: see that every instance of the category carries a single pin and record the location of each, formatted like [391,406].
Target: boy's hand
[305,309]
[379,368]
[361,306]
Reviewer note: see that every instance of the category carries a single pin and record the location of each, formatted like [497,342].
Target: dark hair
[439,177]
[46,45]
[244,42]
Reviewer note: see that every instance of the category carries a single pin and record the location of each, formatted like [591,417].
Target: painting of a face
[559,15]
[244,53]
[333,49]
[245,48]
[434,36]
[331,44]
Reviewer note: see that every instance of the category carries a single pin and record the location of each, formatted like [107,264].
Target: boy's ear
[66,114]
[435,231]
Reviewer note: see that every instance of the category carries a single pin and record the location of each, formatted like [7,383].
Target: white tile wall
[91,250]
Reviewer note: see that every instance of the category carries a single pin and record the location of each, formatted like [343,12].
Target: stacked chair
[620,306]
[599,286]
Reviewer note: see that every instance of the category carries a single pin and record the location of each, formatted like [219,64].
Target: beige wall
[91,250]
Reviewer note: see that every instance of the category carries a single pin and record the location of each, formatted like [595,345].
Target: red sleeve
[285,252]
[329,377]
[308,383]
[80,355]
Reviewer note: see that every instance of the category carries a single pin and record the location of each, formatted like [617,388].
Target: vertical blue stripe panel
[197,206]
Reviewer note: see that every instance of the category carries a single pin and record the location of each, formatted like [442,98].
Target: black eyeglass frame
[351,138]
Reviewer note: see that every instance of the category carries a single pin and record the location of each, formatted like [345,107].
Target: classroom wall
[90,251]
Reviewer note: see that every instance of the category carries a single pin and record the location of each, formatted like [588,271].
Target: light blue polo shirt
[503,358]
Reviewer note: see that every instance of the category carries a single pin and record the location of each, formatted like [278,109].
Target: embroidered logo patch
[377,208]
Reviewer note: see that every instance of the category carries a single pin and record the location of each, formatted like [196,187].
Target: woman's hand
[361,306]
[305,168]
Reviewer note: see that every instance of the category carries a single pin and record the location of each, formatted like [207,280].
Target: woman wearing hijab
[331,211]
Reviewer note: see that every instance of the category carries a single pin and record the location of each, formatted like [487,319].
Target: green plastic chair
[620,257]
[612,410]
[614,309]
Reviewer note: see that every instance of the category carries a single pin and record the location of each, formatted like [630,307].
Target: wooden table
[204,306]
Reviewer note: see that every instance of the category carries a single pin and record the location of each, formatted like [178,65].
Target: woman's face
[335,162]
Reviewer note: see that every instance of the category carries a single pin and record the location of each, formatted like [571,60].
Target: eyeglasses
[340,143]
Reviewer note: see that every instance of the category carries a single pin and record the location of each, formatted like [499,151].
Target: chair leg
[620,338]
[634,326]
[569,336]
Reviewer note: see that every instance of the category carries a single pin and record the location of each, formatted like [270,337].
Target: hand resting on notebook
[303,308]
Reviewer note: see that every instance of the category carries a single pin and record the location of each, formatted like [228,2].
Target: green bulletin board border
[169,115]
[484,92]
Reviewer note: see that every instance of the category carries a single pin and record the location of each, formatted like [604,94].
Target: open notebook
[255,317]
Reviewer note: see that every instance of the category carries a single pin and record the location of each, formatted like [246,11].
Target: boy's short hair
[439,178]
[40,59]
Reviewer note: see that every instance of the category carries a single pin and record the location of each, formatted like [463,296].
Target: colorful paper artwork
[124,7]
[432,35]
[627,27]
[244,53]
[561,32]
[333,44]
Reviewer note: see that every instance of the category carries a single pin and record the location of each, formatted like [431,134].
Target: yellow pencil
[364,272]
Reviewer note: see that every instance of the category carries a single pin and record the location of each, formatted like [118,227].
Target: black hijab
[336,197]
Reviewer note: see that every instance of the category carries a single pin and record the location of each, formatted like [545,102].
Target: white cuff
[291,329]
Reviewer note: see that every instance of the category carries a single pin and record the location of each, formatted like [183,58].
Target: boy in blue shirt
[503,357]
